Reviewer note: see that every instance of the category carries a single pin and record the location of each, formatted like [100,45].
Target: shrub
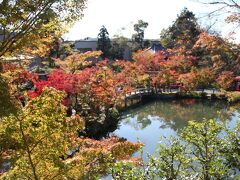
[233,96]
[203,151]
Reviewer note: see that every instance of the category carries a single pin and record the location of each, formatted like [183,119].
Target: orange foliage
[211,43]
[95,155]
[225,80]
[78,61]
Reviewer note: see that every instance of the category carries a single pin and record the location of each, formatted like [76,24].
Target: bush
[114,114]
[203,95]
[201,152]
[233,96]
[214,96]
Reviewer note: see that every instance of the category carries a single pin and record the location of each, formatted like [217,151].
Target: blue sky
[116,14]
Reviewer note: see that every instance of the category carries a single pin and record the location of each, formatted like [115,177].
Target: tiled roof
[157,47]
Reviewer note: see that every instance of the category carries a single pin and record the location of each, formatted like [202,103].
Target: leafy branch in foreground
[25,23]
[42,143]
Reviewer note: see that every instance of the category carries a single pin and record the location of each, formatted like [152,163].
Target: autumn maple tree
[40,135]
[78,61]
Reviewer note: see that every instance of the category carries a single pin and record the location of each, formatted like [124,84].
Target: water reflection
[166,118]
[175,113]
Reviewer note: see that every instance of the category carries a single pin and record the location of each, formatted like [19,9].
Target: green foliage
[127,170]
[184,29]
[119,44]
[27,23]
[138,37]
[204,140]
[104,42]
[39,139]
[202,152]
[231,147]
[7,105]
[60,49]
[113,112]
[233,96]
[172,160]
[165,38]
[39,134]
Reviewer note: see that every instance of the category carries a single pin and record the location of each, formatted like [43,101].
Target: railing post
[125,101]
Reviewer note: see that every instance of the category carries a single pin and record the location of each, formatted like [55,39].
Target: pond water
[149,122]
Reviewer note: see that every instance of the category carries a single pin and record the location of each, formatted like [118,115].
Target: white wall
[86,44]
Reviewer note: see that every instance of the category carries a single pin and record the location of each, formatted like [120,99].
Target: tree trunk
[1,66]
[28,151]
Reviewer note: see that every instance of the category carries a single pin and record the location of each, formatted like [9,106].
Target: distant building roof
[156,47]
[88,39]
[130,40]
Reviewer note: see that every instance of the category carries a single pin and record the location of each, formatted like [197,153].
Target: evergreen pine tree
[138,37]
[185,30]
[104,42]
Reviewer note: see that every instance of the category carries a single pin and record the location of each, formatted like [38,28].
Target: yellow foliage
[77,61]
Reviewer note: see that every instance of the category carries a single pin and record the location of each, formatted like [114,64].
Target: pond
[149,122]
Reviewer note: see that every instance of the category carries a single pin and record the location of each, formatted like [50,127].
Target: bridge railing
[143,91]
[140,91]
